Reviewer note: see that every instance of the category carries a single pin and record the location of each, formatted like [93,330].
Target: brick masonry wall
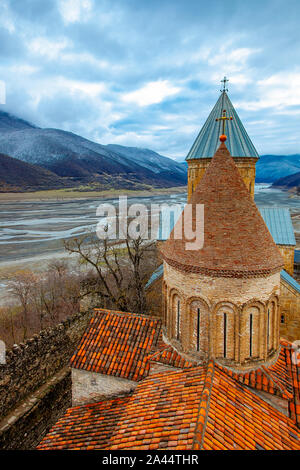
[31,364]
[288,254]
[154,298]
[197,168]
[214,297]
[290,310]
[89,387]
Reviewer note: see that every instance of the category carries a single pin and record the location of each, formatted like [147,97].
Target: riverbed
[32,232]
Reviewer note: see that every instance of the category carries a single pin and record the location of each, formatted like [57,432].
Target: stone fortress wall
[35,383]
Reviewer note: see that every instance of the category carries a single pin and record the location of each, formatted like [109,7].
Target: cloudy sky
[147,72]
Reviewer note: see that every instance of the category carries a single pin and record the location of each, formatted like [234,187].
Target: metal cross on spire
[223,119]
[224,81]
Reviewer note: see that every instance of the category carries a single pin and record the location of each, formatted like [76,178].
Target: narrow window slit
[268,330]
[178,319]
[225,334]
[198,329]
[251,333]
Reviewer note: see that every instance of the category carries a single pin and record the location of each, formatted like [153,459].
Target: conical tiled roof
[237,242]
[207,141]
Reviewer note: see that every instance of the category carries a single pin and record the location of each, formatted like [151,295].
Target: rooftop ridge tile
[204,407]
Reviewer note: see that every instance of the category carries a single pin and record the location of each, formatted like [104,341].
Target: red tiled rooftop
[237,242]
[168,356]
[239,419]
[118,344]
[160,414]
[85,427]
[281,379]
[196,408]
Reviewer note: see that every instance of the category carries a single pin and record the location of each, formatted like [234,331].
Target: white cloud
[73,11]
[90,89]
[279,91]
[23,69]
[50,49]
[153,92]
[236,57]
[89,59]
[6,19]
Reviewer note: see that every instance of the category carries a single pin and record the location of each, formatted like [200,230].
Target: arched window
[199,325]
[178,320]
[225,338]
[225,334]
[164,303]
[174,327]
[271,324]
[198,328]
[268,329]
[250,334]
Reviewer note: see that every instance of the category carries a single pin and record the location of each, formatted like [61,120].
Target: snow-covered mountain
[16,175]
[70,156]
[270,168]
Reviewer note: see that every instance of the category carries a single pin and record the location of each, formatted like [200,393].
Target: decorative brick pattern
[237,242]
[289,311]
[212,298]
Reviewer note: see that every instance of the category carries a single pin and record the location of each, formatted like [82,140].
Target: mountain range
[270,168]
[73,160]
[289,182]
[33,158]
[16,175]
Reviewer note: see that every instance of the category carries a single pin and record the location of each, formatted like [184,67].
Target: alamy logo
[136,220]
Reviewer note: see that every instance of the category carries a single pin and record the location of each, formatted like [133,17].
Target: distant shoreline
[63,194]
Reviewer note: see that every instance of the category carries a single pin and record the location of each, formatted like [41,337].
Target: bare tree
[43,299]
[118,270]
[21,287]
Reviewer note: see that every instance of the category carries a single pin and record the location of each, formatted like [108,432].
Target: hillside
[270,168]
[289,182]
[16,175]
[68,155]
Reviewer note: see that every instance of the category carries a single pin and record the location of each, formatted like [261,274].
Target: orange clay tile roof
[264,379]
[282,378]
[160,414]
[293,366]
[117,343]
[239,419]
[195,408]
[85,427]
[170,357]
[237,242]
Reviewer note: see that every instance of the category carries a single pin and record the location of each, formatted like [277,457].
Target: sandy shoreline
[65,194]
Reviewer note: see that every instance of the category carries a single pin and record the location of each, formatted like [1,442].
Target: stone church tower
[221,301]
[238,143]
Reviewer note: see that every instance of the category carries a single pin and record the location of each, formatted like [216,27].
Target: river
[32,232]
